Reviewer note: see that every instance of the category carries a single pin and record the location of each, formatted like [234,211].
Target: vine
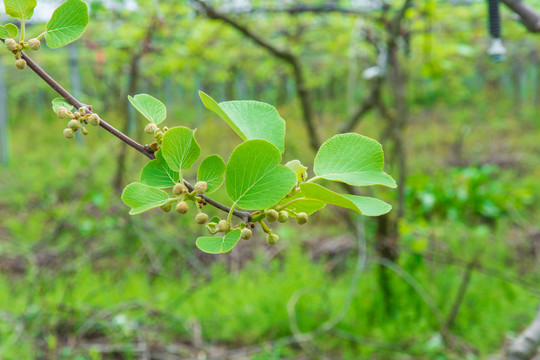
[255,179]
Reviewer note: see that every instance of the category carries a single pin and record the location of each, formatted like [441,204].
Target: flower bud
[201,218]
[20,64]
[223,226]
[62,112]
[74,125]
[34,44]
[271,215]
[11,44]
[201,187]
[165,129]
[167,207]
[93,120]
[77,115]
[159,135]
[84,131]
[272,239]
[182,207]
[301,218]
[68,133]
[178,188]
[246,234]
[283,216]
[150,128]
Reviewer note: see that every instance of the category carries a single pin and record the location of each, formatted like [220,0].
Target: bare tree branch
[301,86]
[529,16]
[526,345]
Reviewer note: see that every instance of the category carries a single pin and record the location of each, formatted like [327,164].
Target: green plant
[254,177]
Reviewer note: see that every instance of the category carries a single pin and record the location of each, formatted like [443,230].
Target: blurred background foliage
[80,279]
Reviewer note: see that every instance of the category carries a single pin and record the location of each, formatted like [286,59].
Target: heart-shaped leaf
[9,31]
[364,205]
[180,149]
[212,170]
[20,9]
[218,245]
[142,198]
[150,107]
[250,119]
[158,174]
[254,178]
[58,102]
[67,23]
[353,159]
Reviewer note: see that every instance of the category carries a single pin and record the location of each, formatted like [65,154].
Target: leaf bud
[62,112]
[150,128]
[20,64]
[167,207]
[84,131]
[283,216]
[74,124]
[68,133]
[271,215]
[223,226]
[201,187]
[178,189]
[246,234]
[93,120]
[272,239]
[182,207]
[34,44]
[201,218]
[301,218]
[11,44]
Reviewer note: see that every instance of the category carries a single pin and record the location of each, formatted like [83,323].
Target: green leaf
[9,31]
[158,174]
[212,225]
[364,205]
[353,159]
[212,170]
[298,203]
[298,168]
[180,149]
[58,102]
[218,245]
[250,119]
[254,178]
[20,9]
[67,23]
[150,107]
[142,198]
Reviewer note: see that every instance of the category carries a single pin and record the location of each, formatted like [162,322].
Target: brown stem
[244,216]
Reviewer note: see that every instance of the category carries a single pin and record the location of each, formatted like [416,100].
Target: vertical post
[3,119]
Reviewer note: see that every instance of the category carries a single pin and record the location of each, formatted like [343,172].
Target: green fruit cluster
[16,48]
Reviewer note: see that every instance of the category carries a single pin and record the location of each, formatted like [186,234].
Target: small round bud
[84,131]
[178,189]
[93,120]
[283,216]
[271,215]
[62,112]
[20,64]
[11,44]
[34,44]
[201,187]
[223,226]
[272,239]
[302,218]
[165,129]
[159,135]
[246,234]
[167,207]
[77,115]
[74,124]
[150,128]
[68,133]
[182,207]
[201,218]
